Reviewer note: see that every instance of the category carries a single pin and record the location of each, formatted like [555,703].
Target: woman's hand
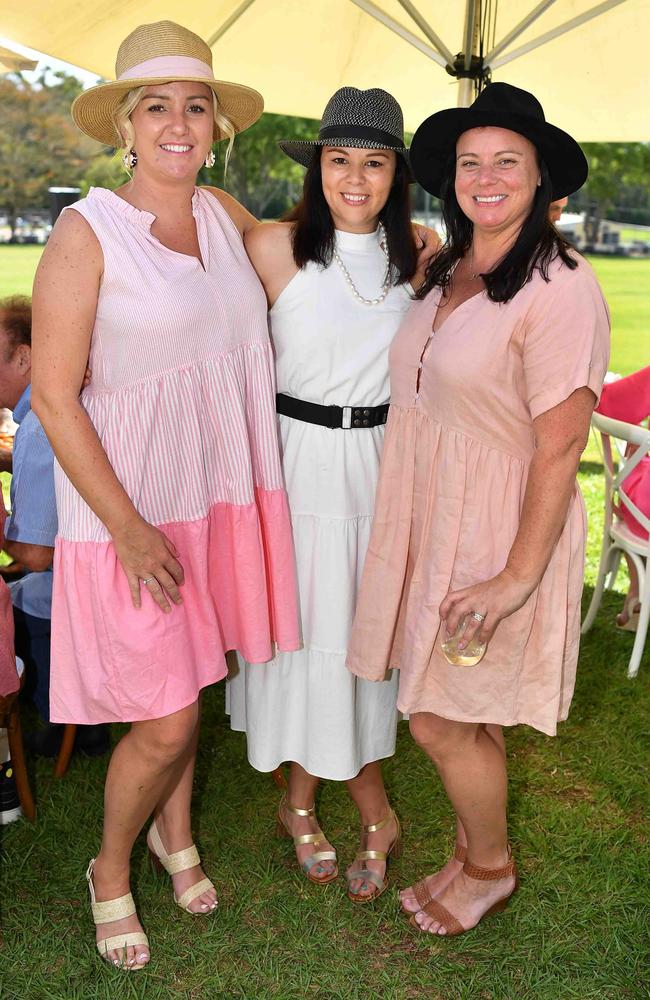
[497,598]
[149,559]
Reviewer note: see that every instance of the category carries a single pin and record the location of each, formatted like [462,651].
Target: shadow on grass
[587,468]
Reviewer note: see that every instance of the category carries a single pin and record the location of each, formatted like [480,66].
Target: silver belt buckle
[346,420]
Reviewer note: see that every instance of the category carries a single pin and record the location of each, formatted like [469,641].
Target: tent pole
[470,48]
[228,23]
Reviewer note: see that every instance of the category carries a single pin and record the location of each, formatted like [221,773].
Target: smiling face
[173,125]
[497,175]
[356,184]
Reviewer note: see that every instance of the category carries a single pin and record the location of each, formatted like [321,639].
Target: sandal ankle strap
[298,812]
[490,874]
[374,827]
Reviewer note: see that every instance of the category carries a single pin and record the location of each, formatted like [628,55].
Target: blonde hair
[121,118]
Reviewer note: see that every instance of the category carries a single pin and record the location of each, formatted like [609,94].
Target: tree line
[40,148]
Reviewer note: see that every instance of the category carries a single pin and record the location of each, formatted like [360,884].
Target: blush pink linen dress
[459,442]
[183,400]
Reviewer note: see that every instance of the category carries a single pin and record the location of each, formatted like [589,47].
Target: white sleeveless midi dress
[330,349]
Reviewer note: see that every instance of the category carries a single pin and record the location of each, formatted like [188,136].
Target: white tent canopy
[587,61]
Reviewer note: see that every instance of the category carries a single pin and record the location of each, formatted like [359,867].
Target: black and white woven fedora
[365,119]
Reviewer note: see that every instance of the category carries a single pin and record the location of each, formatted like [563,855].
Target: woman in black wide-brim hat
[474,570]
[338,278]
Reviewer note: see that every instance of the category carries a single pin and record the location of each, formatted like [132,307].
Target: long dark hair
[313,231]
[536,246]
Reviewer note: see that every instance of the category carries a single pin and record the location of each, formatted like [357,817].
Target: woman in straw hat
[337,280]
[478,539]
[169,475]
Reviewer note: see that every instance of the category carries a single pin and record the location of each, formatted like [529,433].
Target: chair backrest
[623,447]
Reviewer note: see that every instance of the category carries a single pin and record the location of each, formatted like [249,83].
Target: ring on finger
[150,579]
[477,616]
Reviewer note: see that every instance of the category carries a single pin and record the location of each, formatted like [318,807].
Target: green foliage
[260,175]
[39,145]
[619,175]
[105,170]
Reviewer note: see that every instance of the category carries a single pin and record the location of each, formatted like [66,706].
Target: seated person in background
[628,399]
[32,527]
[556,208]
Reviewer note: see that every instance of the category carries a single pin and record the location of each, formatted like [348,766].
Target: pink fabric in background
[8,675]
[628,399]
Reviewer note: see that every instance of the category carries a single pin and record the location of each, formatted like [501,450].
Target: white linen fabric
[333,350]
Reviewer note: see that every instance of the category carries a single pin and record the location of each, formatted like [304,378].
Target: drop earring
[210,159]
[129,159]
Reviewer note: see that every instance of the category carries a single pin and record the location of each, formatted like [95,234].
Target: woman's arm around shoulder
[269,247]
[428,244]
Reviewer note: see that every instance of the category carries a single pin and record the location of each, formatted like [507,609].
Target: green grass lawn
[626,284]
[577,930]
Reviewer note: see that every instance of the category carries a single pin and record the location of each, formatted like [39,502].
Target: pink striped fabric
[183,400]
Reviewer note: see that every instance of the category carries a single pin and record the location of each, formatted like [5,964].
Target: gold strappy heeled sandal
[441,914]
[177,862]
[115,909]
[359,870]
[307,838]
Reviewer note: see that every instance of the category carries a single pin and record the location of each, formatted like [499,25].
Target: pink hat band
[173,67]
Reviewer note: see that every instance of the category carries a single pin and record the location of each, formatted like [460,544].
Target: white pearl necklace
[385,288]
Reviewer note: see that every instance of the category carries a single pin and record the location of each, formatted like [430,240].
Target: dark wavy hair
[536,246]
[313,231]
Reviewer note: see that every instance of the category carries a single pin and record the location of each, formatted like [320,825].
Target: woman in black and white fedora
[337,279]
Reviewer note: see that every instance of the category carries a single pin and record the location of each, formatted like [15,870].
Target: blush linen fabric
[183,400]
[628,399]
[459,443]
[8,675]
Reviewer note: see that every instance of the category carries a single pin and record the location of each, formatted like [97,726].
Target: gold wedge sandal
[115,909]
[177,862]
[441,914]
[307,838]
[360,870]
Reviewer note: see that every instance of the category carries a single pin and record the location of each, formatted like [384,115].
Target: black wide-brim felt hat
[504,106]
[363,119]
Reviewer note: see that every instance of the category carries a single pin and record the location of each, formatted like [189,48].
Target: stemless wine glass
[469,656]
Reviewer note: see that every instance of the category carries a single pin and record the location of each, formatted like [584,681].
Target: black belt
[331,416]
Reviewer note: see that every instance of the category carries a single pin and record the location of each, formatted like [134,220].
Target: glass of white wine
[469,656]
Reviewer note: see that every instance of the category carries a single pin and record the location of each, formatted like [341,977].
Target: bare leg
[172,816]
[441,879]
[369,795]
[471,764]
[138,775]
[301,792]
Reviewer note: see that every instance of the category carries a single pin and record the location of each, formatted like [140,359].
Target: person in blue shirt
[31,528]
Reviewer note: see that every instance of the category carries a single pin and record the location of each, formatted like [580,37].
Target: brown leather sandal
[420,889]
[438,912]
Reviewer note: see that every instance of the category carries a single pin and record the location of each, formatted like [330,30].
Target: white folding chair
[623,447]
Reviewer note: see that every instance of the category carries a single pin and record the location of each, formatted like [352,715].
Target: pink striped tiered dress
[183,400]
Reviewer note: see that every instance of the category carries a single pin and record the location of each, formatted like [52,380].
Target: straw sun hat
[161,53]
